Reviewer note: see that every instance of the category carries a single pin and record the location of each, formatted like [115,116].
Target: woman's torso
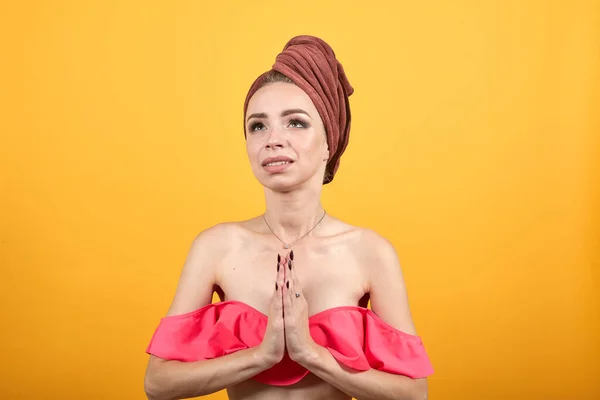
[331,269]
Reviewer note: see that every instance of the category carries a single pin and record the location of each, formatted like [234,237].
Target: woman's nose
[274,139]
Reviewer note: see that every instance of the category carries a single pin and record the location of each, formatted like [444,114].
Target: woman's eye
[294,123]
[256,126]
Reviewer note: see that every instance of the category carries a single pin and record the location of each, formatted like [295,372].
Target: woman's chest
[326,280]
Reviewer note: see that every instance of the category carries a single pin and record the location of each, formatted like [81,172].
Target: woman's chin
[279,182]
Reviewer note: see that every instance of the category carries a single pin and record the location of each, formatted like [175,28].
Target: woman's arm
[172,380]
[389,301]
[363,385]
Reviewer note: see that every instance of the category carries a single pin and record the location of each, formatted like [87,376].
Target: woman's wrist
[312,356]
[264,361]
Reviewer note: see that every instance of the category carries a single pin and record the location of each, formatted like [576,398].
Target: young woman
[294,282]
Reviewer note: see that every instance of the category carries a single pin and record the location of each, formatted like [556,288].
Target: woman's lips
[277,166]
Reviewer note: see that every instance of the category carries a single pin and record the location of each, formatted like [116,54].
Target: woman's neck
[292,214]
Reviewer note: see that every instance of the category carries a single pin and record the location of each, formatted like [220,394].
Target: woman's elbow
[421,389]
[152,386]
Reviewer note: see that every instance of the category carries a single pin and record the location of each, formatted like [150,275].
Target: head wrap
[311,64]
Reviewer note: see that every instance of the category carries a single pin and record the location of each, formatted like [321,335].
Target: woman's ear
[326,154]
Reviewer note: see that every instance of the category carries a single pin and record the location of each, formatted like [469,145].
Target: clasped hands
[287,326]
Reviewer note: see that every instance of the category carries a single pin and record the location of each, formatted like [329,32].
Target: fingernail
[278,267]
[290,264]
[292,254]
[278,258]
[287,284]
[276,287]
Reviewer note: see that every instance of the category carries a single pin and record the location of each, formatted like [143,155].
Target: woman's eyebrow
[294,111]
[283,113]
[256,115]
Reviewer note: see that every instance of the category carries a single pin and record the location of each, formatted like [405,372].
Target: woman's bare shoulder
[213,234]
[365,239]
[223,235]
[368,246]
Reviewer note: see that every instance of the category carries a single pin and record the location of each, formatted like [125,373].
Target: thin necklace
[287,245]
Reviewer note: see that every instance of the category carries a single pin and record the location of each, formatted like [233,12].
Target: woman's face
[285,137]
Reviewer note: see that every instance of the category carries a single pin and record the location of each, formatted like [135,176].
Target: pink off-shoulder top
[355,336]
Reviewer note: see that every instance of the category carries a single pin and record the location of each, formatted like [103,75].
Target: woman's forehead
[275,97]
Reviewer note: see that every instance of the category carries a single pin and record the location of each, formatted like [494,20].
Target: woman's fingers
[273,343]
[278,296]
[294,280]
[292,285]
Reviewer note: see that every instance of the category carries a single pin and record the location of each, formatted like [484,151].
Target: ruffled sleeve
[355,336]
[209,332]
[360,340]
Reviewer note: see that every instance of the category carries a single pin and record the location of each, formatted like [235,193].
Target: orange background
[474,148]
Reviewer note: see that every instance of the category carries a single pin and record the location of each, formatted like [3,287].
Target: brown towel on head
[311,64]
